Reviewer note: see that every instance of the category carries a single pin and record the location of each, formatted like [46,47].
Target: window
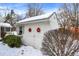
[7,29]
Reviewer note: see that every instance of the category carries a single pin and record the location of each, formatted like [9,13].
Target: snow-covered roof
[5,25]
[36,17]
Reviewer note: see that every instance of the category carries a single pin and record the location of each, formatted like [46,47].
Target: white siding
[18,29]
[35,38]
[54,22]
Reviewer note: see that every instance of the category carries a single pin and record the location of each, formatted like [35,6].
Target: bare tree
[69,14]
[11,18]
[63,41]
[34,9]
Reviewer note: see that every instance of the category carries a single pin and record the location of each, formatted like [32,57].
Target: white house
[32,29]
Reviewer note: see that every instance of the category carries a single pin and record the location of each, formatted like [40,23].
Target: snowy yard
[5,50]
[22,51]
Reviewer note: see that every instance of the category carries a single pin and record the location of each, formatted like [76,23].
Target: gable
[53,21]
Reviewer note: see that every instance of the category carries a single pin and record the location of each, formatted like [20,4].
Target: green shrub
[12,41]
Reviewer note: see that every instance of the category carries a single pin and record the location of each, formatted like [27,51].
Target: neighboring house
[32,29]
[4,27]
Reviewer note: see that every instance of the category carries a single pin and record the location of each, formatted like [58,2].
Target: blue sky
[22,7]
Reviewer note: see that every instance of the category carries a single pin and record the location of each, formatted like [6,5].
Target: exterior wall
[35,38]
[17,29]
[53,22]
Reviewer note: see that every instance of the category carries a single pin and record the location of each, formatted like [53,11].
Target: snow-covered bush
[60,42]
[12,41]
[11,33]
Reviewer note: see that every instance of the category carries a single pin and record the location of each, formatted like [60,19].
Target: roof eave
[34,21]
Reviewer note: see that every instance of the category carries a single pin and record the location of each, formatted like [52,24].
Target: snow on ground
[5,50]
[22,51]
[77,54]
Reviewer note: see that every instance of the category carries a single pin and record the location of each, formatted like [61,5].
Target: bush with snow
[12,41]
[11,33]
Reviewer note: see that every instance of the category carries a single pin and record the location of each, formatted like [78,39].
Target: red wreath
[38,29]
[29,29]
